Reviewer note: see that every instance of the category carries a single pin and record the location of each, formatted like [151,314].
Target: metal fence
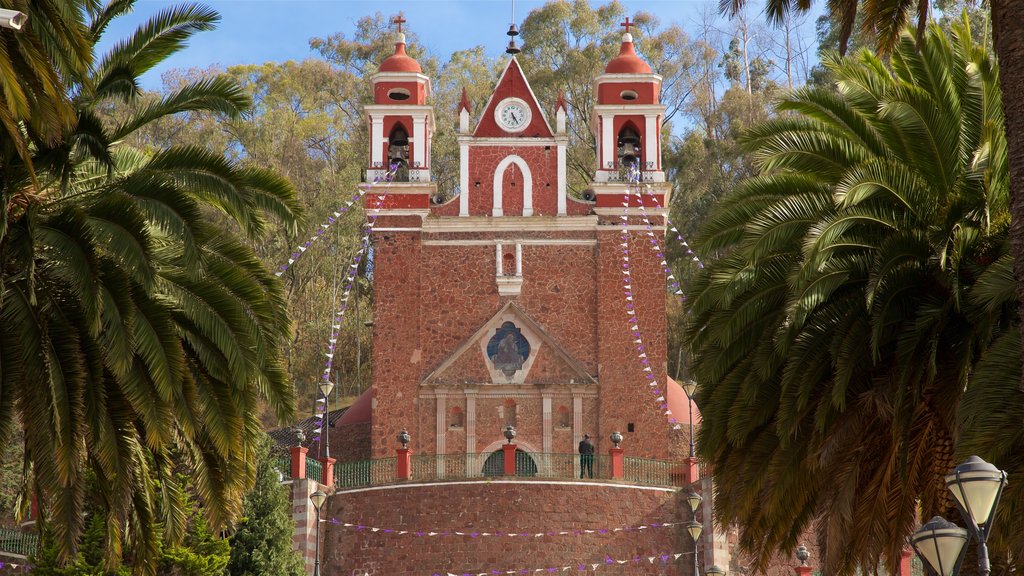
[364,473]
[18,543]
[314,470]
[433,467]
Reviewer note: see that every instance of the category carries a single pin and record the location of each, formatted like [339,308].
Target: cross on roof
[400,19]
[627,24]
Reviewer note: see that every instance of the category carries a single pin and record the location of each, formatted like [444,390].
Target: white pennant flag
[677,556]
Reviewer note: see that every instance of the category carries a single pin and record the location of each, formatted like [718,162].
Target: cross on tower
[627,24]
[399,20]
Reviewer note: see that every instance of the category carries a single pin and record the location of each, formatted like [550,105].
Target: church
[510,322]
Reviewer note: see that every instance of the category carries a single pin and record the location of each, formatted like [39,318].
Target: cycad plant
[138,329]
[833,339]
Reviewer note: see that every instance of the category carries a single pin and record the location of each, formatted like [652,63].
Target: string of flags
[334,217]
[660,395]
[679,235]
[470,533]
[656,247]
[350,278]
[608,561]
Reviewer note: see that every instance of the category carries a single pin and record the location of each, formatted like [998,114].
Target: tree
[885,20]
[834,337]
[262,542]
[138,326]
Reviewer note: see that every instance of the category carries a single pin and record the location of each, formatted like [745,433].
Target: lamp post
[325,388]
[690,387]
[318,499]
[693,527]
[976,486]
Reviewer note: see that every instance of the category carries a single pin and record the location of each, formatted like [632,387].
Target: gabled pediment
[510,348]
[513,85]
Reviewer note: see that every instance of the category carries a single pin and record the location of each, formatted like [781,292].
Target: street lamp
[318,499]
[941,544]
[690,387]
[976,486]
[325,388]
[694,527]
[715,570]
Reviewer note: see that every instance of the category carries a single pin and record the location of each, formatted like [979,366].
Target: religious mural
[508,349]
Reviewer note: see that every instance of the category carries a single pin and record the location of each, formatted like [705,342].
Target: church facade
[514,306]
[505,306]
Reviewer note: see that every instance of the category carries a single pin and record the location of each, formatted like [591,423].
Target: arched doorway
[495,464]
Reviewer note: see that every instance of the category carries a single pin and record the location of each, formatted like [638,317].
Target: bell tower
[626,121]
[401,122]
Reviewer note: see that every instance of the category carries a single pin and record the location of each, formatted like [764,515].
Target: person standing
[586,456]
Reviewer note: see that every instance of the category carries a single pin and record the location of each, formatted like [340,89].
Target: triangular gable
[548,359]
[512,84]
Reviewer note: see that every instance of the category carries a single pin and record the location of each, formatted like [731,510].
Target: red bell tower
[626,123]
[401,122]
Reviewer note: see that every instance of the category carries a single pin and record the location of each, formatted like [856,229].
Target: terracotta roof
[285,437]
[627,62]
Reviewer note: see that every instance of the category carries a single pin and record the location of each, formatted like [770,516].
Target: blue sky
[257,31]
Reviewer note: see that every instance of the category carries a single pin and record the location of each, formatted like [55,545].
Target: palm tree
[834,339]
[140,330]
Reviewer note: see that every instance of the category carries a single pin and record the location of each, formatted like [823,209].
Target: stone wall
[509,507]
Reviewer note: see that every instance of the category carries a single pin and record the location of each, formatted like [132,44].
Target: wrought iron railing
[364,473]
[434,467]
[314,470]
[283,464]
[18,543]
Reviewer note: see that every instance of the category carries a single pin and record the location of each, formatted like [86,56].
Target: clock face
[513,115]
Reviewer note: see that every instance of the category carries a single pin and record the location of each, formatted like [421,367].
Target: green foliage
[200,554]
[262,542]
[138,328]
[856,285]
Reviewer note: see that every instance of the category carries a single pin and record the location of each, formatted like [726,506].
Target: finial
[464,102]
[399,20]
[627,25]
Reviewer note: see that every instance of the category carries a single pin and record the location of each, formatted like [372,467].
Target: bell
[628,152]
[399,138]
[512,31]
[628,136]
[512,48]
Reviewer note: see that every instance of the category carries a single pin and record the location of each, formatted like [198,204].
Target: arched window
[398,152]
[456,418]
[629,146]
[508,264]
[495,464]
[564,417]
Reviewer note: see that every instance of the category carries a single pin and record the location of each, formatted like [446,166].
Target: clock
[512,114]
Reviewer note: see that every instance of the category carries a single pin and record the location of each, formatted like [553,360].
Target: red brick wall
[625,395]
[543,163]
[430,299]
[507,507]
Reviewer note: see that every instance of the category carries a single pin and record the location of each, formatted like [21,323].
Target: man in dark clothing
[586,456]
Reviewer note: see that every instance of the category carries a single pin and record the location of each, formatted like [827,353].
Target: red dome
[360,412]
[627,62]
[400,61]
